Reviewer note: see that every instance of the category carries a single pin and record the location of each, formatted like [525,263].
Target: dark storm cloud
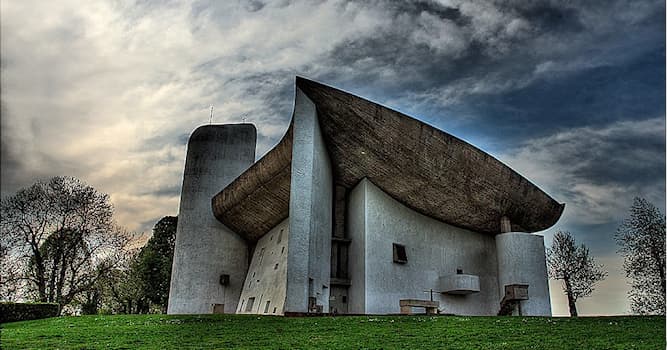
[596,172]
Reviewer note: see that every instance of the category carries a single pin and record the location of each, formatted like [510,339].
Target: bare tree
[575,267]
[63,233]
[642,240]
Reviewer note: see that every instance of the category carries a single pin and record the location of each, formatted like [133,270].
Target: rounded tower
[521,261]
[210,261]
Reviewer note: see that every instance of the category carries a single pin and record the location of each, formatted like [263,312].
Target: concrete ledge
[459,284]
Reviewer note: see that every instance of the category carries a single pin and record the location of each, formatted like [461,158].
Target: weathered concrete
[311,212]
[433,249]
[424,168]
[459,284]
[205,248]
[266,280]
[258,200]
[521,260]
[356,231]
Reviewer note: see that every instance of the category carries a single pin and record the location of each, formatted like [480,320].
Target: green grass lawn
[353,332]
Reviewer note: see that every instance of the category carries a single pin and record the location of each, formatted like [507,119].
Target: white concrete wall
[433,249]
[521,260]
[205,248]
[266,280]
[311,211]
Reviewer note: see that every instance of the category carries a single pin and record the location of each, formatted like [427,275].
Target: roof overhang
[424,168]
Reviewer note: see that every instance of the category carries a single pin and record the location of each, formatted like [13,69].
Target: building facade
[357,208]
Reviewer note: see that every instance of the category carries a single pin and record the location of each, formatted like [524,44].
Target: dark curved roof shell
[426,169]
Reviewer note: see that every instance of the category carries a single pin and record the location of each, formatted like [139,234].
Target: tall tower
[210,261]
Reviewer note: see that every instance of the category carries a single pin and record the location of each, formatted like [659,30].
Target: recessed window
[274,309]
[344,299]
[248,307]
[275,267]
[400,257]
[266,307]
[280,236]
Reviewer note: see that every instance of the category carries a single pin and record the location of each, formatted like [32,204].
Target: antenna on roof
[210,118]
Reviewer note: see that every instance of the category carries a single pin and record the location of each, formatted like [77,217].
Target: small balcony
[460,284]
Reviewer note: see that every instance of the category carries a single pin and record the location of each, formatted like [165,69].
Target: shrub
[10,312]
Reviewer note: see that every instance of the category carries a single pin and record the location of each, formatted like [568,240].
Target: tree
[153,266]
[575,267]
[641,238]
[63,233]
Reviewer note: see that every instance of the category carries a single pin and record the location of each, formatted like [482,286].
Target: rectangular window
[400,257]
[266,307]
[248,307]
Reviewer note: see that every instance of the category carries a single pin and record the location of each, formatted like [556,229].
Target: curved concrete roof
[426,169]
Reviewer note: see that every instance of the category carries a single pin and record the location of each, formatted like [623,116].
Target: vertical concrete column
[521,260]
[311,212]
[206,249]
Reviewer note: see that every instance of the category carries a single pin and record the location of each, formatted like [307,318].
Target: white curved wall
[521,260]
[205,248]
[434,249]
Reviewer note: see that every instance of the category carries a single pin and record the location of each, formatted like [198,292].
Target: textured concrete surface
[258,199]
[422,167]
[521,260]
[434,249]
[266,280]
[459,284]
[205,248]
[356,231]
[311,212]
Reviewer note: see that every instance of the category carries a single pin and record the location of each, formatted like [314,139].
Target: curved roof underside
[422,167]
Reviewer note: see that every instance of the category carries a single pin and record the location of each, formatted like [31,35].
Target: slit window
[400,256]
[248,306]
[266,307]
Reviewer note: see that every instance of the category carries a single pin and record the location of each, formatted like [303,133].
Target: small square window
[400,257]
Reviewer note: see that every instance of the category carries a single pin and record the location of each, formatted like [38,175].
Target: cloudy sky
[570,95]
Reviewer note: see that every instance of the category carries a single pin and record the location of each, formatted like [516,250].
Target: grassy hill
[353,332]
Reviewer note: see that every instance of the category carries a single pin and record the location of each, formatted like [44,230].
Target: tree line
[59,243]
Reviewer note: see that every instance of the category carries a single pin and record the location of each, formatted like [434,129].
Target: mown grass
[353,332]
